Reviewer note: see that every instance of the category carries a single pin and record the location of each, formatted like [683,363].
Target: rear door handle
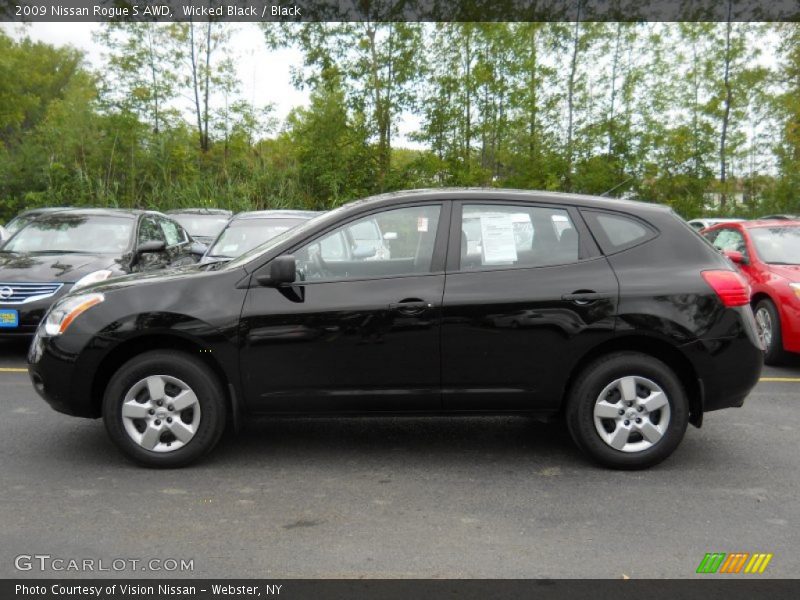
[410,307]
[583,297]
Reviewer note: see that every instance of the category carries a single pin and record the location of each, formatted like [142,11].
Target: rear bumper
[728,369]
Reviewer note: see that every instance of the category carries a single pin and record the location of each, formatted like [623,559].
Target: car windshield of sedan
[777,245]
[74,234]
[201,225]
[245,234]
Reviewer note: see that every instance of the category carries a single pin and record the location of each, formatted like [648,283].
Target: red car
[767,253]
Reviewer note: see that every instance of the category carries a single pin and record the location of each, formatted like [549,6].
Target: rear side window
[615,232]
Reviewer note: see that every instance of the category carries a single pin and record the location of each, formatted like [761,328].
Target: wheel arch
[663,351]
[134,346]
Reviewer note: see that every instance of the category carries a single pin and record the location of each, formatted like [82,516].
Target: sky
[264,74]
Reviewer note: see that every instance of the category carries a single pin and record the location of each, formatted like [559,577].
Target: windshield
[18,223]
[74,233]
[777,245]
[201,225]
[245,234]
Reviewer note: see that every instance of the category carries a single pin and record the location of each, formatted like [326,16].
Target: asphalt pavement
[398,497]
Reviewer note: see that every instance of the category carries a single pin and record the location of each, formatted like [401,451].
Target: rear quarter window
[616,232]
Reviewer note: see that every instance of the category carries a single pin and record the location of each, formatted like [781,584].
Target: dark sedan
[615,316]
[66,250]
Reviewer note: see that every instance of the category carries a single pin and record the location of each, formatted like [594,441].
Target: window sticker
[422,224]
[498,246]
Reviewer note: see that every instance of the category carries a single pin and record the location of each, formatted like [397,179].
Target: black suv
[614,315]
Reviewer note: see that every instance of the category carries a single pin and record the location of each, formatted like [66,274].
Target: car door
[355,332]
[527,294]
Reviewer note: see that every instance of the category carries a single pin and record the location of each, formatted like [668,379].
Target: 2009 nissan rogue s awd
[614,315]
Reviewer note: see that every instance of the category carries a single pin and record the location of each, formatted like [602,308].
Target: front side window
[516,236]
[173,232]
[149,231]
[730,239]
[387,244]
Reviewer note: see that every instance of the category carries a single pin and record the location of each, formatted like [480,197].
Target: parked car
[627,324]
[70,249]
[767,253]
[247,230]
[27,216]
[203,224]
[699,224]
[779,217]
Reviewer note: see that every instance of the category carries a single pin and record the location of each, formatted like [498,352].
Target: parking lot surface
[401,497]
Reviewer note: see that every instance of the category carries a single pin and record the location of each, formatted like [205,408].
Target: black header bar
[397,10]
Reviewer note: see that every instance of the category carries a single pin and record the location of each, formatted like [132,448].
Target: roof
[100,212]
[276,214]
[200,211]
[493,194]
[769,223]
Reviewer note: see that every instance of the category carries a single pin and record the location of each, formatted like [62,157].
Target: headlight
[796,289]
[65,311]
[91,278]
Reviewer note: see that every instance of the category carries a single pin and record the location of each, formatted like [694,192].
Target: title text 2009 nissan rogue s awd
[613,314]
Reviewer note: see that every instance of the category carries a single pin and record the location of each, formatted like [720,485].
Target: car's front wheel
[627,410]
[164,409]
[768,322]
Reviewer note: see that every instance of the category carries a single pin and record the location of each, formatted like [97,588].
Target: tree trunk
[723,164]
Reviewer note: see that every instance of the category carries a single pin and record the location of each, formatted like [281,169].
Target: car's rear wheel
[627,410]
[768,322]
[164,409]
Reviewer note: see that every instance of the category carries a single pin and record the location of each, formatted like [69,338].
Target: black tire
[774,354]
[586,390]
[193,372]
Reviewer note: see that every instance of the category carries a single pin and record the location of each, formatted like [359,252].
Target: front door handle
[410,307]
[584,297]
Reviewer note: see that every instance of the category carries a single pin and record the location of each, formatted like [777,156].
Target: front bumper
[30,314]
[58,376]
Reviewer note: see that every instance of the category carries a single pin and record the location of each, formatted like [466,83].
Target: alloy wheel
[764,323]
[161,413]
[632,414]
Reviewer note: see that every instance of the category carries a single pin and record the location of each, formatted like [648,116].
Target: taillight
[731,287]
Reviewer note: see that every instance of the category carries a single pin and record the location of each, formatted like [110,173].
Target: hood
[64,268]
[790,272]
[154,277]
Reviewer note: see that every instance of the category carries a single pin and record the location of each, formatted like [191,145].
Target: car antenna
[608,191]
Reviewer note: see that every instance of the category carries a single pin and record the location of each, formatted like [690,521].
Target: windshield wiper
[778,262]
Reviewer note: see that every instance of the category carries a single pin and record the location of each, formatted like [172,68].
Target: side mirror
[282,271]
[151,246]
[735,257]
[390,236]
[198,248]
